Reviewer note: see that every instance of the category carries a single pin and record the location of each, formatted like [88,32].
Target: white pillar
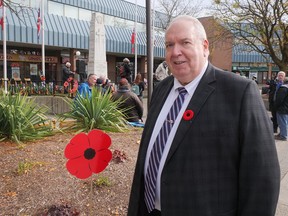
[97,63]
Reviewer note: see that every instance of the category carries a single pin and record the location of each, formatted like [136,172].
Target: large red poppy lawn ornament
[88,153]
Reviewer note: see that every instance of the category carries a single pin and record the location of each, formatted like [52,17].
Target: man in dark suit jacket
[221,158]
[125,70]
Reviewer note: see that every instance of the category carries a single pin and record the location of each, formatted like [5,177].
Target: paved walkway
[282,149]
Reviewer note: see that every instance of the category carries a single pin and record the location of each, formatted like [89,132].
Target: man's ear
[206,47]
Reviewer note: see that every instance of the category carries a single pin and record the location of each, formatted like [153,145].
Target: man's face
[92,80]
[185,53]
[281,77]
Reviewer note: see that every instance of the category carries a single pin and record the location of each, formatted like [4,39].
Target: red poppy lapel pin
[88,153]
[188,115]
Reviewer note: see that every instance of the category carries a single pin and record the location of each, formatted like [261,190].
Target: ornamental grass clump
[21,119]
[95,112]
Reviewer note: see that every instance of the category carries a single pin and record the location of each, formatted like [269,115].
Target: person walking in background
[207,146]
[281,106]
[130,103]
[85,89]
[66,75]
[271,94]
[161,71]
[67,72]
[141,86]
[125,70]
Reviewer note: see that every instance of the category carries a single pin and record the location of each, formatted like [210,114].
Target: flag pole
[149,52]
[153,34]
[135,44]
[4,50]
[43,41]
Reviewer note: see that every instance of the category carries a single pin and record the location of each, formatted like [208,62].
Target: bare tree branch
[16,8]
[173,8]
[260,24]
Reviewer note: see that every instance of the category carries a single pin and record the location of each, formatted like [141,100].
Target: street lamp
[78,53]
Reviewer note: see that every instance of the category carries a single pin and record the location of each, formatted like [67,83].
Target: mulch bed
[35,181]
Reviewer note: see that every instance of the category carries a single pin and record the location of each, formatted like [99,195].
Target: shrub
[21,119]
[102,181]
[95,112]
[25,167]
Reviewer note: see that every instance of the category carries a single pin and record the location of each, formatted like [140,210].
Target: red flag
[2,22]
[2,18]
[133,40]
[133,37]
[38,23]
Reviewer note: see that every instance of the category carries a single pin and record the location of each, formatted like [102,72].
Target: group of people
[278,105]
[131,103]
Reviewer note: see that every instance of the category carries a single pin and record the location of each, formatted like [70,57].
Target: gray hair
[195,23]
[281,72]
[90,75]
[126,60]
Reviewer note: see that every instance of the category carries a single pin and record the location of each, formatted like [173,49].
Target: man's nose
[176,50]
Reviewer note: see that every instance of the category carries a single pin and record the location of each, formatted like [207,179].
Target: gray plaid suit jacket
[223,162]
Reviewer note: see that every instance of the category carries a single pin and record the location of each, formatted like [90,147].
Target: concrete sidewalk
[282,149]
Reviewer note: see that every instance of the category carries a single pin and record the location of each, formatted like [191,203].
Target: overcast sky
[139,2]
[143,2]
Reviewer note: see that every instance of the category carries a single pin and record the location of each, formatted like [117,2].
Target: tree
[262,25]
[15,7]
[172,8]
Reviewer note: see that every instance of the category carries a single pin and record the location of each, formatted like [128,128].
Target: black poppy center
[89,153]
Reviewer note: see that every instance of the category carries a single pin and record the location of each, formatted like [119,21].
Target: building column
[143,67]
[269,71]
[73,58]
[112,68]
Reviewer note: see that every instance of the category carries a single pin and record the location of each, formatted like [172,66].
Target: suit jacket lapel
[156,106]
[198,100]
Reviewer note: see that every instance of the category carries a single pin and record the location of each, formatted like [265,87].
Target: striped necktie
[157,150]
